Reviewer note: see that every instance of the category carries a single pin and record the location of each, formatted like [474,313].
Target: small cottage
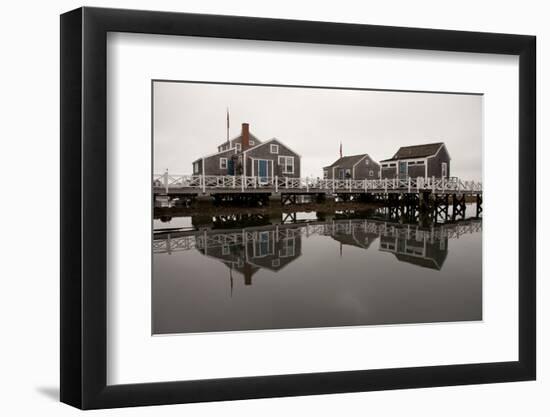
[248,155]
[357,167]
[429,160]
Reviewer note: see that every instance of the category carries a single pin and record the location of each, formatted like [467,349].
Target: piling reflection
[264,245]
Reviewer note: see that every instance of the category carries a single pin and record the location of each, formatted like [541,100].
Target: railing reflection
[249,249]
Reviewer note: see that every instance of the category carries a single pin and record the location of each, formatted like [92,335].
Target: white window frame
[238,147]
[367,161]
[272,147]
[325,174]
[223,161]
[283,161]
[371,173]
[444,164]
[251,142]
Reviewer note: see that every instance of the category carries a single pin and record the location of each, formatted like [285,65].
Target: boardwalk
[174,185]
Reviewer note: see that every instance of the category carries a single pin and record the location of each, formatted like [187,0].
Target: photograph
[295,207]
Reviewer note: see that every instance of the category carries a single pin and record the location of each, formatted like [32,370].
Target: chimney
[245,136]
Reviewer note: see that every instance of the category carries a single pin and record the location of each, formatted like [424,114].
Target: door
[262,171]
[402,170]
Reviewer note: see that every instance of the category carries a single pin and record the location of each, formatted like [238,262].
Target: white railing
[439,185]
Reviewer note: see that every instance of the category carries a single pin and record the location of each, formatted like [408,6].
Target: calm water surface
[312,270]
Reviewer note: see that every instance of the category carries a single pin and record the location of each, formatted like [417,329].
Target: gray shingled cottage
[248,155]
[429,160]
[357,167]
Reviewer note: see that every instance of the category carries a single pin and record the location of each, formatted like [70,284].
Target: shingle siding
[362,169]
[212,163]
[264,152]
[415,171]
[389,172]
[434,164]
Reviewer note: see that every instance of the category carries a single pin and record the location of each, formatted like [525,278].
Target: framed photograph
[257,208]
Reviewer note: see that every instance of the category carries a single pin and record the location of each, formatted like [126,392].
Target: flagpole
[228,125]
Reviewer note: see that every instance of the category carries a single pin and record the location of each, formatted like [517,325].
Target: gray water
[312,270]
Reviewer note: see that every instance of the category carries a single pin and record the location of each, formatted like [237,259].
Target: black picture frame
[84,207]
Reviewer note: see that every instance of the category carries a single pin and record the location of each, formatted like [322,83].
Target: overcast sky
[190,122]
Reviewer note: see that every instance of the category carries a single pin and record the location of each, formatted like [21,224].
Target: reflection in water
[320,273]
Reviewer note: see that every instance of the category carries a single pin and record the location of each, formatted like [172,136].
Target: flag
[340,149]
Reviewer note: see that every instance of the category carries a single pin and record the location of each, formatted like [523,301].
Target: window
[392,165]
[367,161]
[371,173]
[385,165]
[225,250]
[195,167]
[412,162]
[287,163]
[223,163]
[287,248]
[238,147]
[251,142]
[325,174]
[444,169]
[274,148]
[419,162]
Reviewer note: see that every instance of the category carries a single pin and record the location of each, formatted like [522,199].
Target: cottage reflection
[357,234]
[247,251]
[425,248]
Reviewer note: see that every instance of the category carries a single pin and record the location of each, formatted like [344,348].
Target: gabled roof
[239,137]
[347,161]
[416,151]
[269,141]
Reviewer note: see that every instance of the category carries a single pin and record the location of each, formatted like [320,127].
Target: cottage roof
[425,262]
[416,151]
[347,161]
[268,142]
[239,137]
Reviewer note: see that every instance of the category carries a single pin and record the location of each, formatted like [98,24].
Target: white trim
[276,146]
[438,150]
[223,161]
[238,147]
[215,154]
[285,165]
